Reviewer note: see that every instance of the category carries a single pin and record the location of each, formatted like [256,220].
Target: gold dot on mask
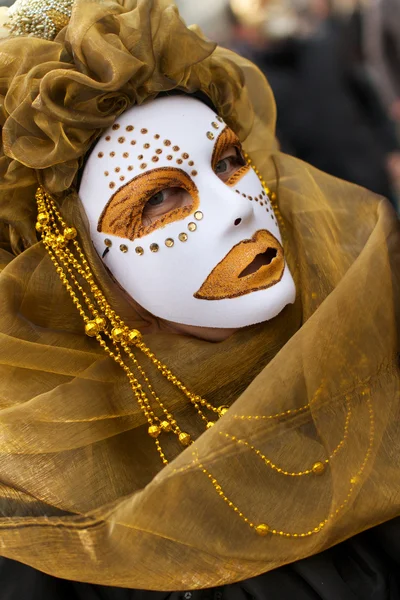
[108,243]
[106,173]
[100,155]
[190,163]
[267,209]
[129,128]
[117,169]
[158,151]
[210,135]
[121,140]
[125,154]
[167,143]
[147,146]
[154,247]
[260,196]
[183,237]
[237,191]
[108,138]
[143,165]
[122,178]
[192,226]
[175,148]
[169,157]
[130,168]
[250,197]
[185,155]
[194,173]
[155,159]
[123,248]
[112,153]
[179,161]
[111,185]
[198,215]
[133,142]
[215,125]
[169,242]
[115,126]
[139,250]
[244,195]
[261,203]
[143,130]
[157,136]
[263,193]
[220,119]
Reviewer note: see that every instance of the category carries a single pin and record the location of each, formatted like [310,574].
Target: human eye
[228,164]
[164,202]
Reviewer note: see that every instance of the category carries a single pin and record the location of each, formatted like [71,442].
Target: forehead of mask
[212,256]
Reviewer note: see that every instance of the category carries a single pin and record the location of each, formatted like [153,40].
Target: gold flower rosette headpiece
[307,453]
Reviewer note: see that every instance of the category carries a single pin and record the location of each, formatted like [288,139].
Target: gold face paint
[122,215]
[251,265]
[226,139]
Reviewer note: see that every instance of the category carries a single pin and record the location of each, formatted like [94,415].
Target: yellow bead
[101,323]
[154,431]
[70,233]
[43,218]
[39,227]
[134,336]
[262,529]
[166,426]
[318,468]
[184,439]
[118,334]
[222,410]
[60,241]
[91,328]
[210,424]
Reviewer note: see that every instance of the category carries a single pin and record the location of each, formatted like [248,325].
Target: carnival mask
[182,221]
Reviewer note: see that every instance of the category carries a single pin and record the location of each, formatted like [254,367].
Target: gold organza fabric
[82,492]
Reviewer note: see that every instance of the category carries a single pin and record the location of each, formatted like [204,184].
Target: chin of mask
[180,219]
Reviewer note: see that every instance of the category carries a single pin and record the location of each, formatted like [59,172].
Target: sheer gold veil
[311,444]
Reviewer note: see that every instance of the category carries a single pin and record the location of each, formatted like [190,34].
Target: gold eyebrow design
[122,215]
[228,138]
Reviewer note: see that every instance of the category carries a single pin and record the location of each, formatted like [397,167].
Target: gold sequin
[155,158]
[125,154]
[194,173]
[112,153]
[117,169]
[140,157]
[146,146]
[198,215]
[154,247]
[133,142]
[129,128]
[158,151]
[130,168]
[143,130]
[157,137]
[220,119]
[111,185]
[143,165]
[139,250]
[210,135]
[108,243]
[123,248]
[108,138]
[167,143]
[121,140]
[185,155]
[175,148]
[183,237]
[169,157]
[179,161]
[115,126]
[169,242]
[122,178]
[100,155]
[106,173]
[215,125]
[192,226]
[190,163]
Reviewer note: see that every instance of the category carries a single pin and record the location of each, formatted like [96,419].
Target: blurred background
[334,67]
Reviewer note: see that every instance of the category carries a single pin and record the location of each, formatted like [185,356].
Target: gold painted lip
[225,281]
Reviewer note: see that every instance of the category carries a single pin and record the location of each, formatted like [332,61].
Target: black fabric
[367,567]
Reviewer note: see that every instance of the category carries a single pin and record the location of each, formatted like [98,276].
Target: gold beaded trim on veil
[39,18]
[118,341]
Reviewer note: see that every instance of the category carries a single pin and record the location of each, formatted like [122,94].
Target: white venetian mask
[190,232]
